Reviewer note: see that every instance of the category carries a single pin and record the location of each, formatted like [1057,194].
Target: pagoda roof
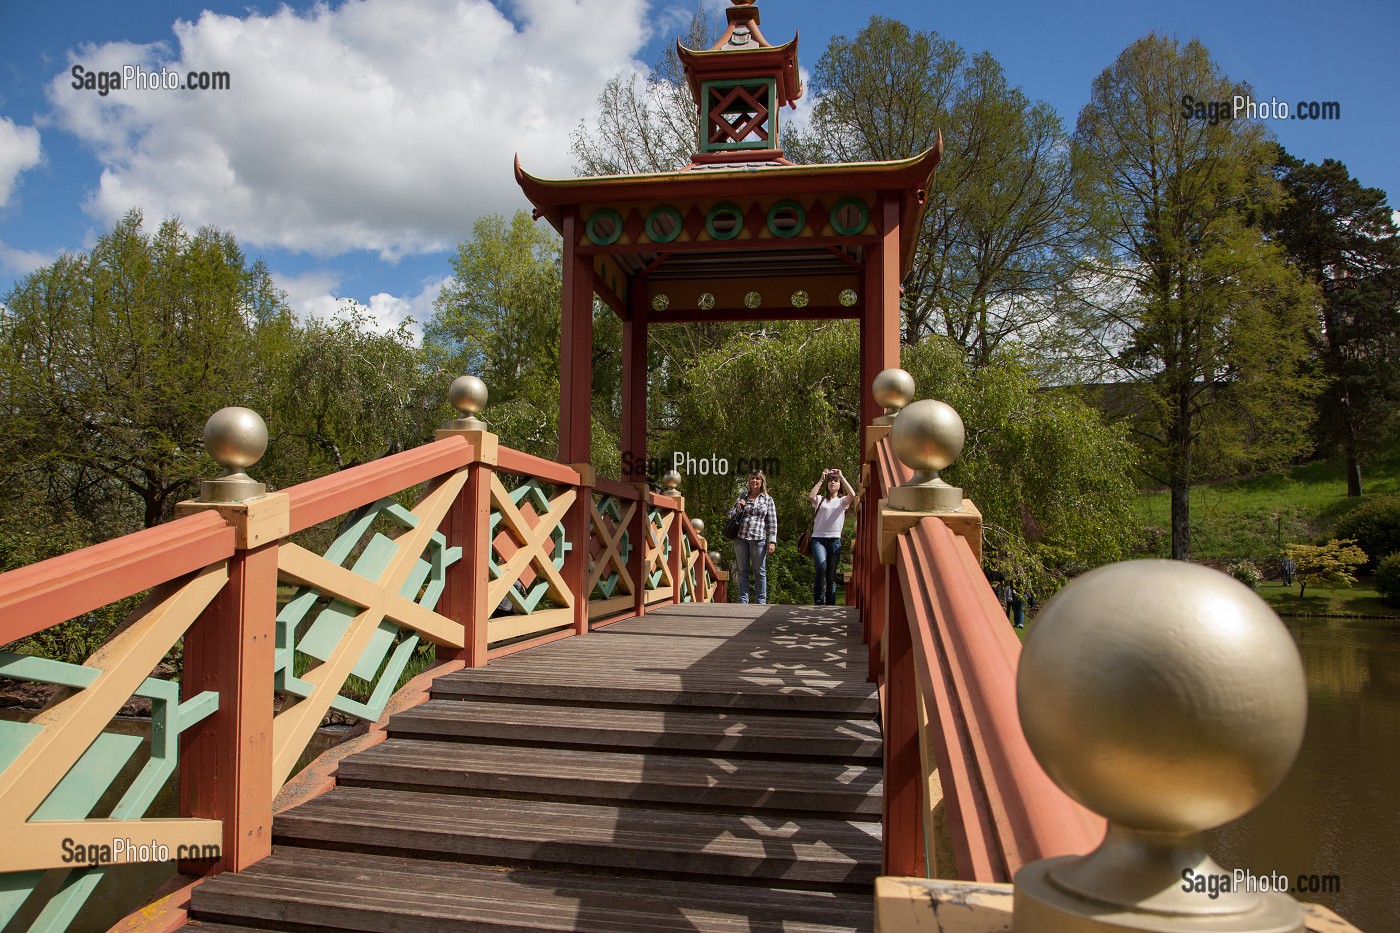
[910,178]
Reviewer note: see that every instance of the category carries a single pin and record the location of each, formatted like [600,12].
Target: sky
[359,140]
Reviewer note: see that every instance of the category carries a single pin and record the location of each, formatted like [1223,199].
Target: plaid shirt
[760,521]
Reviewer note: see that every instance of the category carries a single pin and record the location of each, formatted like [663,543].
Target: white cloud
[19,150]
[21,262]
[313,295]
[387,125]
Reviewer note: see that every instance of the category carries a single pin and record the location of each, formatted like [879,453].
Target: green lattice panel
[607,584]
[390,648]
[654,517]
[90,778]
[528,601]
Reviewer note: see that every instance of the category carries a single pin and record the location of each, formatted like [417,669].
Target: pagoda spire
[740,85]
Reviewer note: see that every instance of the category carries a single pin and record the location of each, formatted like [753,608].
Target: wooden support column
[226,763]
[634,389]
[880,324]
[467,525]
[576,350]
[904,850]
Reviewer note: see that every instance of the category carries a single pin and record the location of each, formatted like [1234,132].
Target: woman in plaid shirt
[758,536]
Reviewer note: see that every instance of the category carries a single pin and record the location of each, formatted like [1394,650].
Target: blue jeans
[757,552]
[826,556]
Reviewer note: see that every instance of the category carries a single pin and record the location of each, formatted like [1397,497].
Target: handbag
[731,527]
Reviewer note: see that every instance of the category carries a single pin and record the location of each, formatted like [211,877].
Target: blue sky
[360,140]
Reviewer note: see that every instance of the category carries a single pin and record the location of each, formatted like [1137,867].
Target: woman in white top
[831,496]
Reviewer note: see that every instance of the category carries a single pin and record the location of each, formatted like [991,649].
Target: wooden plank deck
[709,768]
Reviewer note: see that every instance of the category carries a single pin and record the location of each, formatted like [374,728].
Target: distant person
[758,536]
[1289,569]
[831,496]
[1018,605]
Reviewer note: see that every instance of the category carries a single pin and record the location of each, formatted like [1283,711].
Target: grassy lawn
[1252,517]
[1359,600]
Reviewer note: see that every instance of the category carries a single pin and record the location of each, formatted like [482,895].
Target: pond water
[1336,813]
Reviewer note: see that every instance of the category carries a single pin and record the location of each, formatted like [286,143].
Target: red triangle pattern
[633,225]
[817,216]
[755,221]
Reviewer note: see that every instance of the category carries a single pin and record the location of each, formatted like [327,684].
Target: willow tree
[1195,308]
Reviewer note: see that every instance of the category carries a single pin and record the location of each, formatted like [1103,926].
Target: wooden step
[323,890]
[535,832]
[622,727]
[843,789]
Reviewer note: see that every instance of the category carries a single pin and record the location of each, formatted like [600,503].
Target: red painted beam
[61,588]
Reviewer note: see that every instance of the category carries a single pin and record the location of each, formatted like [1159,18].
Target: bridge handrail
[213,577]
[946,656]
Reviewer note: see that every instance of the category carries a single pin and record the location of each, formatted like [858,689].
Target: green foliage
[1245,572]
[346,394]
[1374,525]
[1051,479]
[112,361]
[1000,231]
[1189,302]
[1343,237]
[1388,578]
[1326,565]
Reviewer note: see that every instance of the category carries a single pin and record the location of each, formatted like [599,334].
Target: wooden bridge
[703,768]
[619,751]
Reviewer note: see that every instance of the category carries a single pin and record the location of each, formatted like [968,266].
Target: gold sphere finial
[893,389]
[927,437]
[698,524]
[670,480]
[1169,698]
[236,438]
[468,395]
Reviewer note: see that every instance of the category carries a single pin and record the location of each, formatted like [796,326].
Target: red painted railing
[944,656]
[492,526]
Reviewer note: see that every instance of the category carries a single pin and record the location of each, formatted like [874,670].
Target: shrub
[1375,526]
[1245,572]
[1327,565]
[1388,579]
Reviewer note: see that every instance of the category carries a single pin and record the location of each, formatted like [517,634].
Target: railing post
[676,559]
[468,524]
[637,536]
[578,529]
[226,764]
[904,845]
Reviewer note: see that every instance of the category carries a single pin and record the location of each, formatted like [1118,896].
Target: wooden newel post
[578,530]
[468,525]
[637,537]
[226,764]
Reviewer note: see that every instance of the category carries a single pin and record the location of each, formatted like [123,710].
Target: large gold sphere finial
[236,438]
[1169,698]
[927,437]
[893,389]
[699,525]
[468,395]
[670,481]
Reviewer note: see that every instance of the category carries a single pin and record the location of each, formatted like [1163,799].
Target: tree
[112,361]
[1191,304]
[1342,236]
[499,319]
[346,394]
[1051,479]
[1328,565]
[1001,231]
[649,124]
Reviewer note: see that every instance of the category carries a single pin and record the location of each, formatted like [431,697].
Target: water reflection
[1336,813]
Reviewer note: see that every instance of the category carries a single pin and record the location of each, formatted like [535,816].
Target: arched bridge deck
[704,767]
